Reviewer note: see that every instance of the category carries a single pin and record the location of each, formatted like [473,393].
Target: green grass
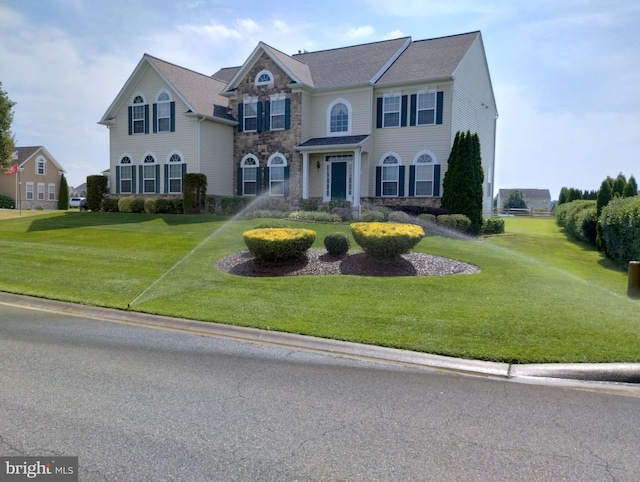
[539,297]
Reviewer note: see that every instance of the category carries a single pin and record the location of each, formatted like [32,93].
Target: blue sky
[566,74]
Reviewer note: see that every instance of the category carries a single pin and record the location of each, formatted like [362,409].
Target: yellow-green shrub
[278,245]
[386,240]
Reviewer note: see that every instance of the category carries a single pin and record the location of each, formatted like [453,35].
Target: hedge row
[620,229]
[579,220]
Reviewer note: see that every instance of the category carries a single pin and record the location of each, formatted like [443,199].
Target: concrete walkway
[549,373]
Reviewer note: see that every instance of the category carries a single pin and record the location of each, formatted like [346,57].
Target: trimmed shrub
[63,194]
[620,229]
[150,205]
[165,206]
[339,203]
[317,216]
[447,220]
[345,214]
[337,244]
[463,223]
[137,205]
[400,217]
[429,218]
[386,240]
[234,204]
[275,223]
[308,204]
[579,220]
[494,225]
[369,216]
[96,189]
[266,213]
[194,192]
[6,202]
[125,204]
[278,245]
[110,205]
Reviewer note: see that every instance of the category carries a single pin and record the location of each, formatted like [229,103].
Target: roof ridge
[351,46]
[179,66]
[448,36]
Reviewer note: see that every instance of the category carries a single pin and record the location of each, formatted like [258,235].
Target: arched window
[390,178]
[162,113]
[149,175]
[425,163]
[264,77]
[277,165]
[125,170]
[174,174]
[339,118]
[138,116]
[249,172]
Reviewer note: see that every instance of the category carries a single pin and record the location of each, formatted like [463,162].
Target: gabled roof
[25,154]
[199,92]
[429,59]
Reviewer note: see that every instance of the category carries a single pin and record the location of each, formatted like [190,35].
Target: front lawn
[538,298]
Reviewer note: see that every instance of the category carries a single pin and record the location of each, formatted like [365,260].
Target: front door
[338,180]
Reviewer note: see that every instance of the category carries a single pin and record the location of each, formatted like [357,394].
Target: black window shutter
[403,112]
[258,180]
[157,178]
[379,114]
[239,181]
[439,106]
[146,118]
[166,178]
[413,109]
[287,113]
[267,115]
[155,118]
[172,113]
[378,181]
[401,181]
[117,179]
[266,178]
[130,120]
[133,179]
[240,120]
[436,180]
[286,181]
[259,109]
[141,187]
[412,181]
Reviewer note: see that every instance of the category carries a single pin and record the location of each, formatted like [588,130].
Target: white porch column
[305,175]
[357,158]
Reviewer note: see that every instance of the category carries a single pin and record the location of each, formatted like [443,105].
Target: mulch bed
[319,262]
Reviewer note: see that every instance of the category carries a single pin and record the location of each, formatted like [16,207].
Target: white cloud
[360,32]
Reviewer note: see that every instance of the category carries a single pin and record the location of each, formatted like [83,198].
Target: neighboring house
[370,124]
[36,185]
[535,198]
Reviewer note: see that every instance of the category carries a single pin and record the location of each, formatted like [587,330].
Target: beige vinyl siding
[359,99]
[216,157]
[408,141]
[474,110]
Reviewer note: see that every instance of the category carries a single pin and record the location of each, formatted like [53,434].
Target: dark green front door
[338,180]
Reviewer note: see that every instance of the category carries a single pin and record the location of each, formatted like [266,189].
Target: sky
[565,74]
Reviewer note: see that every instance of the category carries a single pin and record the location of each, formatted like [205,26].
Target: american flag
[14,155]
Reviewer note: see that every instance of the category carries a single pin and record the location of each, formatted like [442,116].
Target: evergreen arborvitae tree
[564,196]
[63,194]
[631,188]
[462,184]
[574,194]
[516,200]
[617,190]
[604,195]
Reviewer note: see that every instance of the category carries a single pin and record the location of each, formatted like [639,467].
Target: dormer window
[41,166]
[264,77]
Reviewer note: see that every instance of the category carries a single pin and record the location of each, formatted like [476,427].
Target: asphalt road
[139,404]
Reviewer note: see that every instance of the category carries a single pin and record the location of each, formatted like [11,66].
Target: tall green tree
[604,194]
[516,200]
[617,190]
[631,188]
[7,141]
[462,183]
[564,196]
[63,194]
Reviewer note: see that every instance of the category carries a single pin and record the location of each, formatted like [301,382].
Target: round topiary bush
[447,220]
[278,245]
[463,223]
[386,240]
[369,216]
[337,244]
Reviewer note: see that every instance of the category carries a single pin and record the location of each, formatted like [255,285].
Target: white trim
[349,118]
[263,72]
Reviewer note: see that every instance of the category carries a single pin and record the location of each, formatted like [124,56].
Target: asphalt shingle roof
[334,141]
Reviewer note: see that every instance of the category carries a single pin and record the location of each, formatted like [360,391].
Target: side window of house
[391,111]
[173,174]
[424,175]
[29,191]
[277,174]
[276,114]
[250,116]
[164,112]
[339,117]
[426,108]
[52,192]
[149,177]
[138,116]
[41,191]
[249,176]
[125,176]
[41,166]
[390,176]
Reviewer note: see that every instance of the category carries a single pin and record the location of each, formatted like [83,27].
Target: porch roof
[329,142]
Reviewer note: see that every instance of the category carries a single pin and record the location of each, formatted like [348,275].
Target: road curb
[595,372]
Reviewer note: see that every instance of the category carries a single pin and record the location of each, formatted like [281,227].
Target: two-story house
[370,124]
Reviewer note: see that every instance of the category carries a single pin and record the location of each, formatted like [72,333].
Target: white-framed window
[424,173]
[390,175]
[391,108]
[41,166]
[264,77]
[126,175]
[137,115]
[426,108]
[29,191]
[41,191]
[149,174]
[276,164]
[250,115]
[339,117]
[276,114]
[163,112]
[250,168]
[51,192]
[175,174]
